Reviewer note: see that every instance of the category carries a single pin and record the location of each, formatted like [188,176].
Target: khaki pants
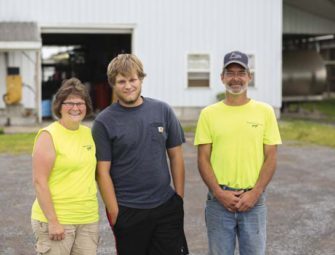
[79,239]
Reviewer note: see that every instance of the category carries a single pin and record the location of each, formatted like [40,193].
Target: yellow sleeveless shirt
[72,179]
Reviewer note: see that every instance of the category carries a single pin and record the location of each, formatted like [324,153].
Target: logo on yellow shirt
[88,147]
[254,124]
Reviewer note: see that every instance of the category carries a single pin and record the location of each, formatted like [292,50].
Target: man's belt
[224,187]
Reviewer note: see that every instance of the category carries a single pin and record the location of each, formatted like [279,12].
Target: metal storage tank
[304,74]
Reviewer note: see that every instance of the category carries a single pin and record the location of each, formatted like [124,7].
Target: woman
[65,212]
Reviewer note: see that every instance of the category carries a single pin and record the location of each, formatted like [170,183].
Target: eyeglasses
[241,74]
[72,104]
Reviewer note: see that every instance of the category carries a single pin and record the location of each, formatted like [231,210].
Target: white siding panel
[27,71]
[3,73]
[299,22]
[166,31]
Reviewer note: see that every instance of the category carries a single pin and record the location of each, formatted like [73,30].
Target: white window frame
[200,71]
[252,69]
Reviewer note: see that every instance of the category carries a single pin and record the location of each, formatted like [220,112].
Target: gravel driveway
[301,204]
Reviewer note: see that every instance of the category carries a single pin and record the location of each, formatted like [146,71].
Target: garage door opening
[308,66]
[84,56]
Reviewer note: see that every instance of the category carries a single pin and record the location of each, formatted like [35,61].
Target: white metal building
[181,44]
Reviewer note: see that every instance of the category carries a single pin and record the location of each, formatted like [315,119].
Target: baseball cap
[236,57]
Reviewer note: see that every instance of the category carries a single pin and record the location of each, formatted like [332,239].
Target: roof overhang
[14,46]
[19,36]
[87,29]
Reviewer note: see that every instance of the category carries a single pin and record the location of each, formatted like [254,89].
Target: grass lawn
[16,143]
[308,132]
[290,130]
[325,108]
[301,131]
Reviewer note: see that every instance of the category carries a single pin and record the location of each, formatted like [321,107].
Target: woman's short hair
[126,65]
[72,87]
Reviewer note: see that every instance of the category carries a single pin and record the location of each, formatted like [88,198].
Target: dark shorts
[157,231]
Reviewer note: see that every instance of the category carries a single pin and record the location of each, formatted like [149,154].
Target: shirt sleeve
[271,135]
[102,142]
[202,132]
[175,133]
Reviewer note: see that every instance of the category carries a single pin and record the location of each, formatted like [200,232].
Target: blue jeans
[223,227]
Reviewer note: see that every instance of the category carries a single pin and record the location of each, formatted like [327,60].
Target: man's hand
[228,198]
[247,200]
[56,231]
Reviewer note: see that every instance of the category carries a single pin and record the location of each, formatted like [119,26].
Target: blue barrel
[46,108]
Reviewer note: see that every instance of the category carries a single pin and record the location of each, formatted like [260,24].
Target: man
[132,138]
[236,140]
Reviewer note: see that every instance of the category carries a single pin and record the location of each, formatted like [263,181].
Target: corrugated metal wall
[166,31]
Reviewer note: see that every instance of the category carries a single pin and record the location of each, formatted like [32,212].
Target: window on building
[252,69]
[198,70]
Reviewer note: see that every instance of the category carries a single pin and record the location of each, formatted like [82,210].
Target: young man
[132,137]
[237,140]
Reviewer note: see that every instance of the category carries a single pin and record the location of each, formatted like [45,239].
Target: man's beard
[128,101]
[243,88]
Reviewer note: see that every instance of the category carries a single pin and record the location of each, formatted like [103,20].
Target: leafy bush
[221,96]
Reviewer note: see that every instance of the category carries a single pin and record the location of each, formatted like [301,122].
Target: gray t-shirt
[135,141]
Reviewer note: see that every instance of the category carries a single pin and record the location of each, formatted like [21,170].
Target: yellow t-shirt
[237,135]
[72,179]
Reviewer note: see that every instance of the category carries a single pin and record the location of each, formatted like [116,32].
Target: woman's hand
[56,231]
